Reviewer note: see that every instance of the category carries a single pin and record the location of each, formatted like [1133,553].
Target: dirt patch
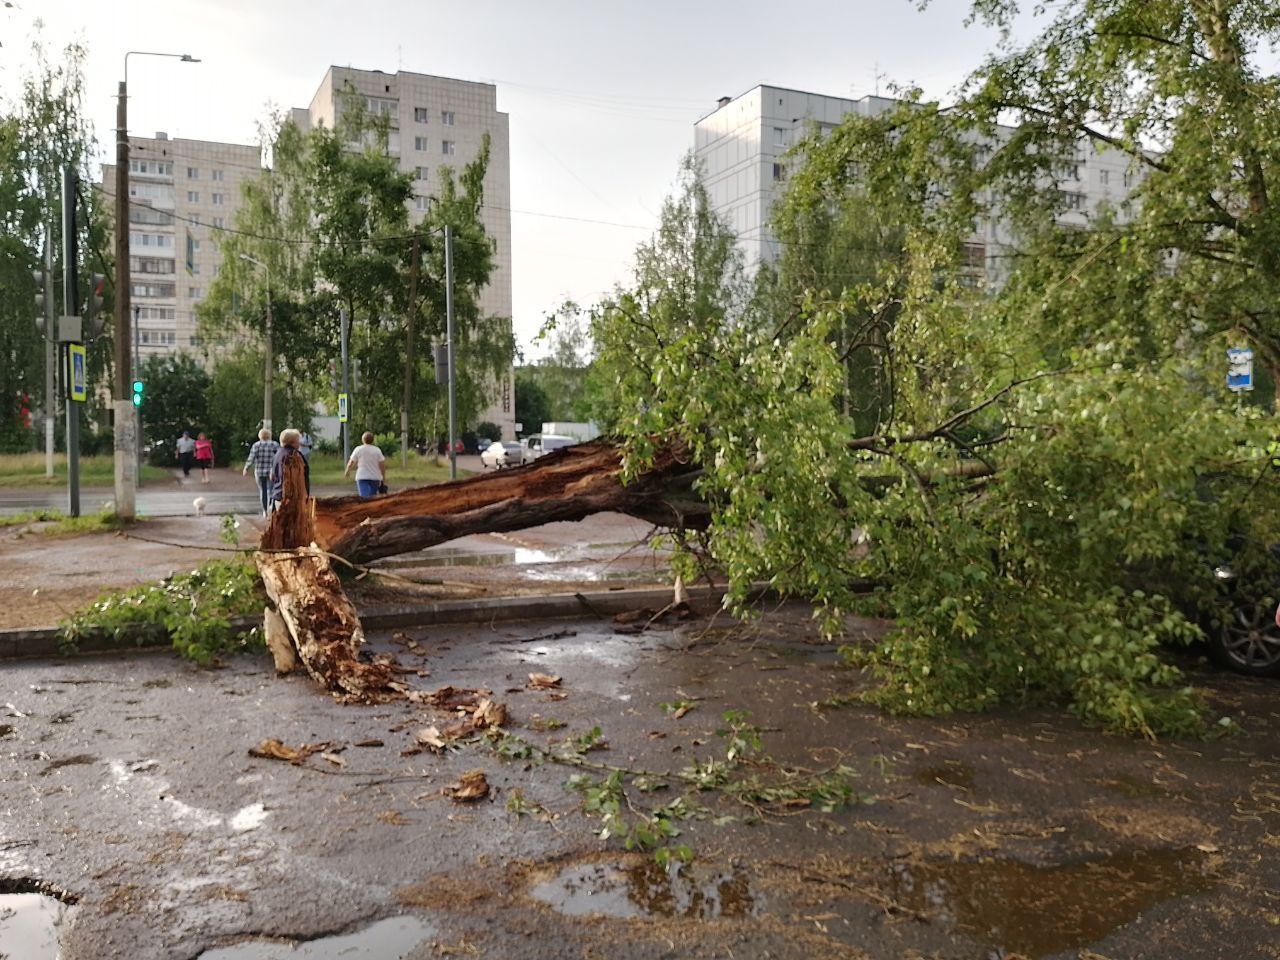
[48,577]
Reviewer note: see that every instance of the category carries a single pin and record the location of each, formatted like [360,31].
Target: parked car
[1246,636]
[540,444]
[502,453]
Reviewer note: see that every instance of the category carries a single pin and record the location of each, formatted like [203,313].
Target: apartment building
[439,122]
[742,146]
[182,193]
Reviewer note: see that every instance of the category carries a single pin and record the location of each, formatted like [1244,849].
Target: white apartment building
[742,147]
[439,122]
[181,194]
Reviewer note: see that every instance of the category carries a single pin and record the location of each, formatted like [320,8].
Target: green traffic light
[137,399]
[137,386]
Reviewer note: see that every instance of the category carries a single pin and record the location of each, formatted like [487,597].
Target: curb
[44,642]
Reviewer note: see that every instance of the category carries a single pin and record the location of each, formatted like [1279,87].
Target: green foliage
[1030,448]
[533,406]
[175,401]
[47,127]
[338,201]
[742,774]
[194,609]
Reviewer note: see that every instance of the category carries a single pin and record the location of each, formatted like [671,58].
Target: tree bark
[569,484]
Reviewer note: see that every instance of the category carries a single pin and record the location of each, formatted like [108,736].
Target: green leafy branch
[194,609]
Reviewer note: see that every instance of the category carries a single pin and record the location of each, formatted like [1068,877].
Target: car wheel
[1249,641]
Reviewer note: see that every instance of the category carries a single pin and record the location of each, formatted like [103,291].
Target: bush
[489,431]
[388,443]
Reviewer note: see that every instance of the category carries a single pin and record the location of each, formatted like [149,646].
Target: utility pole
[70,309]
[137,366]
[407,398]
[126,441]
[268,371]
[50,353]
[344,333]
[453,366]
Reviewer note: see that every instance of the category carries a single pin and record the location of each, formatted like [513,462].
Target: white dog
[199,503]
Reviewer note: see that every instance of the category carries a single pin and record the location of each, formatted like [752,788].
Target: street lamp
[126,439]
[268,373]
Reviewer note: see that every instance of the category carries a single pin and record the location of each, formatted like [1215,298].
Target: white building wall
[742,144]
[178,189]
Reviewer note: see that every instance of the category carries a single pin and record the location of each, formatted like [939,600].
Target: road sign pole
[70,307]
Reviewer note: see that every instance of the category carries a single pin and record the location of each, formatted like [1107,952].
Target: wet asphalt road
[127,782]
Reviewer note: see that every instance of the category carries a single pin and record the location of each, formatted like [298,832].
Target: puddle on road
[1038,911]
[645,889]
[31,921]
[387,939]
[481,558]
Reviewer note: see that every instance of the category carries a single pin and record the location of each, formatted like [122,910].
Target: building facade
[439,122]
[742,147]
[182,193]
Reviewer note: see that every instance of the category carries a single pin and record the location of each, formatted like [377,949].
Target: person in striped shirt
[261,455]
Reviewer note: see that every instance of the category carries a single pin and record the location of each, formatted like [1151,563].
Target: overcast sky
[602,96]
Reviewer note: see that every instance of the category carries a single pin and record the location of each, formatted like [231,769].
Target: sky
[602,97]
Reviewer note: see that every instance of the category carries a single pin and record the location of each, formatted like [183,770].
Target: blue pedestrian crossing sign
[78,381]
[1239,369]
[342,408]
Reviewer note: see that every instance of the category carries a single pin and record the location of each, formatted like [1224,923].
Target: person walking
[304,445]
[204,456]
[261,456]
[289,448]
[186,448]
[371,467]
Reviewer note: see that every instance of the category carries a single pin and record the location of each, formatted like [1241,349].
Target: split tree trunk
[570,484]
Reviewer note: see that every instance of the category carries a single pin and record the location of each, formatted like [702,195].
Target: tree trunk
[567,485]
[294,559]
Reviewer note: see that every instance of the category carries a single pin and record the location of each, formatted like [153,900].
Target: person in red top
[204,456]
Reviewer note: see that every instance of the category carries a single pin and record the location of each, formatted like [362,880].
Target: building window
[447,148]
[1071,200]
[1069,171]
[193,293]
[215,175]
[779,173]
[381,107]
[218,222]
[1129,177]
[216,199]
[420,203]
[193,196]
[194,340]
[422,173]
[420,143]
[446,117]
[779,136]
[420,114]
[193,173]
[1104,177]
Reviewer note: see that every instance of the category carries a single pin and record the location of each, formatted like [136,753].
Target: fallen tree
[306,535]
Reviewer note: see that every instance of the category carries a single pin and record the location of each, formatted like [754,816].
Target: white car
[502,453]
[540,444]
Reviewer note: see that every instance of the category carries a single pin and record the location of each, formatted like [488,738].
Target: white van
[539,444]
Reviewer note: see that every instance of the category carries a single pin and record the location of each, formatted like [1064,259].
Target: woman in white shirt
[370,464]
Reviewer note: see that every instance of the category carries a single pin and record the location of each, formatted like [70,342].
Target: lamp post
[268,371]
[126,439]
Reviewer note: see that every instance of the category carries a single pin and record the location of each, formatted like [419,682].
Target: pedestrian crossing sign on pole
[342,408]
[1240,369]
[78,381]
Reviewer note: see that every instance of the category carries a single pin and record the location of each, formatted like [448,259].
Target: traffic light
[138,388]
[38,276]
[93,308]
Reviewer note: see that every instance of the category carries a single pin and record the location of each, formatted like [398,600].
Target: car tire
[1248,641]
